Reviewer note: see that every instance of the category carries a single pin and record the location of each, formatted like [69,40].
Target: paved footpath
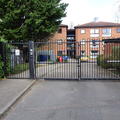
[64,100]
[11,90]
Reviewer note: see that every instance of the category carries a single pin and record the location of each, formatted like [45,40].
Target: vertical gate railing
[99,61]
[17,60]
[63,60]
[55,62]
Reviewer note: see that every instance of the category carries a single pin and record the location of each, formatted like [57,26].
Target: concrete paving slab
[11,90]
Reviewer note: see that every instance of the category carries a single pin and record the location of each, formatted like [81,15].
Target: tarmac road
[69,70]
[69,100]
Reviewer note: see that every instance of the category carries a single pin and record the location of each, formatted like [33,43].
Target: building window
[82,42]
[94,54]
[59,42]
[82,31]
[59,53]
[94,44]
[59,30]
[106,32]
[82,53]
[70,38]
[118,30]
[94,33]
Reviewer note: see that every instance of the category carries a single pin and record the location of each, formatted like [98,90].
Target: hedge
[115,55]
[1,68]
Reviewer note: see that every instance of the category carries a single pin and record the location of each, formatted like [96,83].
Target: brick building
[90,36]
[83,40]
[58,41]
[56,45]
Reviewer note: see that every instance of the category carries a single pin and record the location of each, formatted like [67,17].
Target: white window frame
[105,32]
[82,42]
[82,31]
[59,42]
[70,38]
[94,31]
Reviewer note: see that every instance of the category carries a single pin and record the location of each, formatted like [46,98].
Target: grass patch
[19,68]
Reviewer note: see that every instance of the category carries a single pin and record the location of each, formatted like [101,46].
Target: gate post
[4,59]
[79,62]
[32,60]
[79,68]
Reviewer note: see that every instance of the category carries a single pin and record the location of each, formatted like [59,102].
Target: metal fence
[92,59]
[78,60]
[17,60]
[54,61]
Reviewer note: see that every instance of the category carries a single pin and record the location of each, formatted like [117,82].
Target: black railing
[54,60]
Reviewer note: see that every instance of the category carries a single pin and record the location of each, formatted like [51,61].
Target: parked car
[84,59]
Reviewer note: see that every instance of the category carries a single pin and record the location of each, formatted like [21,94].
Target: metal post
[79,62]
[32,60]
[4,59]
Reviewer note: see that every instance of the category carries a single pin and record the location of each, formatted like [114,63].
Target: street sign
[17,52]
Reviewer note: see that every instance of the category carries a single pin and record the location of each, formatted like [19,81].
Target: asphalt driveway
[69,70]
[63,100]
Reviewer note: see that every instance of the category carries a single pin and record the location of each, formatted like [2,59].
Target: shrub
[7,59]
[116,52]
[1,68]
[102,61]
[115,55]
[4,57]
[99,59]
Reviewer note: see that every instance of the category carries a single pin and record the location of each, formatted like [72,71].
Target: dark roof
[113,40]
[71,29]
[71,32]
[98,24]
[63,25]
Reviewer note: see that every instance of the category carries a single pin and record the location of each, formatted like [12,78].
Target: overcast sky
[83,11]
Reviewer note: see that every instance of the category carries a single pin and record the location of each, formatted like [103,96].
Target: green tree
[30,19]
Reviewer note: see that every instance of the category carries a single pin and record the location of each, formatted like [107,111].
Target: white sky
[83,11]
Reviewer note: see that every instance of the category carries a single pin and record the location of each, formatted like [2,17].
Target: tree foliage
[30,19]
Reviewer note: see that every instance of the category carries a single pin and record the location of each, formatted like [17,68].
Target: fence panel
[83,60]
[17,60]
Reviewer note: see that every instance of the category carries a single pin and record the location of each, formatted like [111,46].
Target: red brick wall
[87,37]
[52,45]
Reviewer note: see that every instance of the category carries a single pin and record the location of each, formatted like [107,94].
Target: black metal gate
[54,61]
[87,60]
[100,60]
